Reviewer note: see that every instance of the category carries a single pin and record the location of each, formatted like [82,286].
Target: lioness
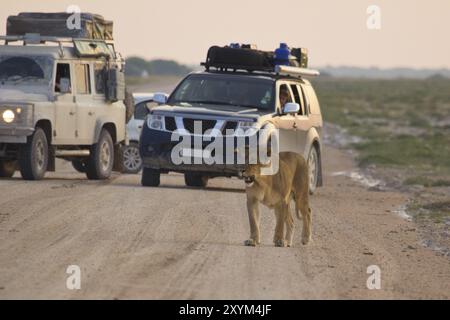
[276,192]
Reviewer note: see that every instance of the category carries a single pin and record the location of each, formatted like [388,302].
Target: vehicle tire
[132,162]
[79,166]
[313,165]
[150,177]
[195,180]
[7,168]
[33,158]
[101,158]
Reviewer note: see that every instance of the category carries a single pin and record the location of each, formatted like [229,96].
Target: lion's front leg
[280,216]
[253,215]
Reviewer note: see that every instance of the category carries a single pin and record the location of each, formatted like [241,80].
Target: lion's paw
[306,240]
[250,243]
[280,243]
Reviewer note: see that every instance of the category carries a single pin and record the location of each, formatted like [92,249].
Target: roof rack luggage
[92,26]
[283,60]
[239,58]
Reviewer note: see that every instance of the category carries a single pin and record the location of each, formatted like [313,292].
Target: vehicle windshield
[239,91]
[15,70]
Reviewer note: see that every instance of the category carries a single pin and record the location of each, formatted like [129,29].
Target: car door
[303,121]
[286,123]
[65,107]
[86,104]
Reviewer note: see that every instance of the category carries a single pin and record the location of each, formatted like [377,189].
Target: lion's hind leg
[290,224]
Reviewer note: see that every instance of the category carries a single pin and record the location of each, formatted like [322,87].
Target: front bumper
[15,134]
[156,152]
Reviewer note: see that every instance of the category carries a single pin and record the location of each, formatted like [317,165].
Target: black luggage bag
[244,59]
[92,26]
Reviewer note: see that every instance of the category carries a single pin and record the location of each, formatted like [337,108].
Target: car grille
[170,124]
[206,124]
[229,125]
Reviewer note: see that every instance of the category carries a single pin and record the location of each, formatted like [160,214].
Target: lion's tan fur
[276,192]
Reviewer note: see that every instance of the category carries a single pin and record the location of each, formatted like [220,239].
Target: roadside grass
[404,123]
[426,182]
[436,212]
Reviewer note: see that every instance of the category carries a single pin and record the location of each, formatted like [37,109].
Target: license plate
[196,153]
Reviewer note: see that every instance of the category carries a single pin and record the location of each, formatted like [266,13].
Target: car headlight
[155,122]
[247,128]
[8,116]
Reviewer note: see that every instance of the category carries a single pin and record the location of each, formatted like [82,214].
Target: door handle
[295,125]
[91,113]
[139,127]
[72,113]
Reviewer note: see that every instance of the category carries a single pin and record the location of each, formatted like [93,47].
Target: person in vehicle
[285,96]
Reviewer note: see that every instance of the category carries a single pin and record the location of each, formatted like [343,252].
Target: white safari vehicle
[60,97]
[143,103]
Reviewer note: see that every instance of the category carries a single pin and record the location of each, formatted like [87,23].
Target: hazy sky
[414,33]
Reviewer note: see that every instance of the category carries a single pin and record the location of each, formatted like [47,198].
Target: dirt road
[174,242]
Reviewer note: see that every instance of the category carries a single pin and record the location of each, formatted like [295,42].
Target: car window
[305,100]
[36,70]
[141,110]
[234,91]
[284,95]
[298,98]
[82,78]
[63,78]
[99,75]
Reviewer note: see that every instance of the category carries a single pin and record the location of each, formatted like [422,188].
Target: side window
[284,95]
[62,80]
[99,74]
[297,98]
[142,110]
[305,100]
[82,75]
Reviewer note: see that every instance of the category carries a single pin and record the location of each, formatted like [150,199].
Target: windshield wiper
[221,103]
[204,102]
[23,79]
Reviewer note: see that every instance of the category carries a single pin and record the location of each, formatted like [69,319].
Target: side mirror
[291,107]
[64,85]
[160,98]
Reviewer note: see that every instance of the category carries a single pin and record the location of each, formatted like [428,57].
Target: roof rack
[248,59]
[94,47]
[296,71]
[36,38]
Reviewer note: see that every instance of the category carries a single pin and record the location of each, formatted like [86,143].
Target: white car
[131,158]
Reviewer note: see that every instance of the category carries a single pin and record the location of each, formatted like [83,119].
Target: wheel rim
[105,156]
[40,154]
[131,159]
[313,165]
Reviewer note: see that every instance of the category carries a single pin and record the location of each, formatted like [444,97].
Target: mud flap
[51,167]
[118,158]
